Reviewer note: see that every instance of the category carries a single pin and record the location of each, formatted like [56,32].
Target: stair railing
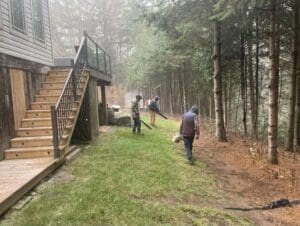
[89,55]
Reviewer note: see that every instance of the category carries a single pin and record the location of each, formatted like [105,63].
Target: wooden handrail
[68,96]
[71,72]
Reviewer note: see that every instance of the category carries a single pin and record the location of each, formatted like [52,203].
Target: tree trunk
[236,113]
[181,91]
[273,87]
[243,80]
[252,91]
[257,94]
[211,111]
[297,113]
[184,78]
[291,119]
[171,93]
[198,101]
[230,95]
[179,94]
[225,100]
[220,128]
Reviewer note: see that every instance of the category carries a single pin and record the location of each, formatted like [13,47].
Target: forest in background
[237,60]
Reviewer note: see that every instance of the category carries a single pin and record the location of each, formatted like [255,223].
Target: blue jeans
[188,146]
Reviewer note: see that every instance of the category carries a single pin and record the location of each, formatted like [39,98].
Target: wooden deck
[17,177]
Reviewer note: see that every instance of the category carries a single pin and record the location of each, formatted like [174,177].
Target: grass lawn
[125,179]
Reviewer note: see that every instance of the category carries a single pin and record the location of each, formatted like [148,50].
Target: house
[40,102]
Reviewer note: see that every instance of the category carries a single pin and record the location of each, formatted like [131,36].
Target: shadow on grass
[273,205]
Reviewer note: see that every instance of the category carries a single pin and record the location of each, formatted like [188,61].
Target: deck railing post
[74,88]
[105,64]
[86,51]
[110,66]
[55,132]
[74,85]
[97,57]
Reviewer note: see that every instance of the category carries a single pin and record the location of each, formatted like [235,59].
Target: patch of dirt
[106,129]
[244,173]
[61,176]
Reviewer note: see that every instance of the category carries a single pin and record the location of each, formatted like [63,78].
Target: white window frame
[0,16]
[14,28]
[33,26]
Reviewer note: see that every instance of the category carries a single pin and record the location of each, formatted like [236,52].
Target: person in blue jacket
[153,108]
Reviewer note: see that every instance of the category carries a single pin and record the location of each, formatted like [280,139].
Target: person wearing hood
[153,108]
[135,112]
[189,130]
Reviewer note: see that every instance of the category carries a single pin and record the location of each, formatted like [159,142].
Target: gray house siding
[25,46]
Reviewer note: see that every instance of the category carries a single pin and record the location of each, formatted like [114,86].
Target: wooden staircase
[34,138]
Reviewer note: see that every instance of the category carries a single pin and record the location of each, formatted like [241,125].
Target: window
[18,15]
[0,19]
[38,23]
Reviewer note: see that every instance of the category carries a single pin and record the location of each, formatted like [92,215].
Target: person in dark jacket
[135,112]
[189,130]
[153,108]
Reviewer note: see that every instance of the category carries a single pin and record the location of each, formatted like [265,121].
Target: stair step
[31,152]
[38,114]
[50,91]
[20,142]
[81,85]
[60,68]
[55,79]
[72,113]
[79,90]
[76,104]
[62,147]
[59,73]
[34,131]
[36,122]
[64,140]
[46,98]
[69,126]
[71,117]
[51,85]
[35,138]
[41,105]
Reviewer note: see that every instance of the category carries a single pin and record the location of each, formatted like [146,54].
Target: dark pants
[188,146]
[136,125]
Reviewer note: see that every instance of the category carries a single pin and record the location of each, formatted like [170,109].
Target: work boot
[191,162]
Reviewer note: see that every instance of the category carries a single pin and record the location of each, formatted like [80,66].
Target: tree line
[238,60]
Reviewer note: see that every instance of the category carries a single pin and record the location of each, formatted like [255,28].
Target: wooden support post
[17,81]
[103,100]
